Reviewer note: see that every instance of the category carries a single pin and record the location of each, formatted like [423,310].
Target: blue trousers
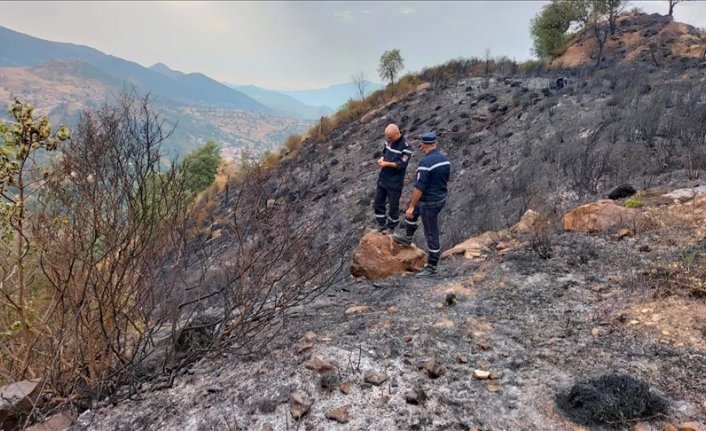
[428,212]
[383,197]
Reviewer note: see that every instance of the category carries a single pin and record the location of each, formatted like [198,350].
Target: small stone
[267,427]
[298,405]
[432,368]
[416,397]
[444,323]
[597,332]
[310,336]
[346,387]
[319,365]
[339,414]
[485,346]
[58,422]
[358,309]
[450,299]
[625,233]
[481,375]
[392,310]
[690,426]
[462,360]
[407,338]
[374,378]
[641,427]
[493,388]
[633,322]
[215,388]
[669,427]
[644,248]
[306,347]
[665,332]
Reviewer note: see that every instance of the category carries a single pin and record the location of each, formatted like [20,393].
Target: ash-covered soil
[537,326]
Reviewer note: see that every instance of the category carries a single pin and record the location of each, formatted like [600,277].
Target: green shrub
[635,201]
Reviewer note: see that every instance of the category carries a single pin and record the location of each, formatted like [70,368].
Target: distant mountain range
[61,79]
[20,50]
[309,104]
[283,104]
[334,96]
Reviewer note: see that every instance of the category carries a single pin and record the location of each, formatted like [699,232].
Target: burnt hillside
[498,339]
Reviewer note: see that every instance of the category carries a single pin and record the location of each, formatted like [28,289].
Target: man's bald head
[392,132]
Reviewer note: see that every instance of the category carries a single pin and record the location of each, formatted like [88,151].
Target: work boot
[381,228]
[428,271]
[405,240]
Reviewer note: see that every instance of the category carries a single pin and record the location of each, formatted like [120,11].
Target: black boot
[428,271]
[403,239]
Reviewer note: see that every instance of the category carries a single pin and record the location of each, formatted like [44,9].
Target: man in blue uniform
[428,198]
[393,165]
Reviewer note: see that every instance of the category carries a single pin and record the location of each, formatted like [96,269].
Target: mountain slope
[611,302]
[18,50]
[283,104]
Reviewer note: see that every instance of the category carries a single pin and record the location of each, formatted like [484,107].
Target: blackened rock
[624,191]
[610,399]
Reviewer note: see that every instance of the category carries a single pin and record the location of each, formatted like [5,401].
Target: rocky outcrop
[476,246]
[530,221]
[379,256]
[501,241]
[598,217]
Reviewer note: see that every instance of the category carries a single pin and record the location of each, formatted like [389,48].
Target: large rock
[17,400]
[685,194]
[599,217]
[530,221]
[476,246]
[379,256]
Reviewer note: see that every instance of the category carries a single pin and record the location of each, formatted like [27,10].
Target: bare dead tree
[653,48]
[672,4]
[107,225]
[360,82]
[601,37]
[275,261]
[588,163]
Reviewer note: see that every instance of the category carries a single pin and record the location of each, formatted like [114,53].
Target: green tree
[607,10]
[200,166]
[391,64]
[549,28]
[21,140]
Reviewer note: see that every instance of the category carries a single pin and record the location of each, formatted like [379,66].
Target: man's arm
[383,164]
[416,195]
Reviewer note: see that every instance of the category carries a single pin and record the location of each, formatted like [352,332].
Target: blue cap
[429,138]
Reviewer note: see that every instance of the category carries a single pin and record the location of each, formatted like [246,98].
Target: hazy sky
[292,45]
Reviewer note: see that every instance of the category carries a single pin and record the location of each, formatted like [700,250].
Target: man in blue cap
[393,165]
[428,198]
